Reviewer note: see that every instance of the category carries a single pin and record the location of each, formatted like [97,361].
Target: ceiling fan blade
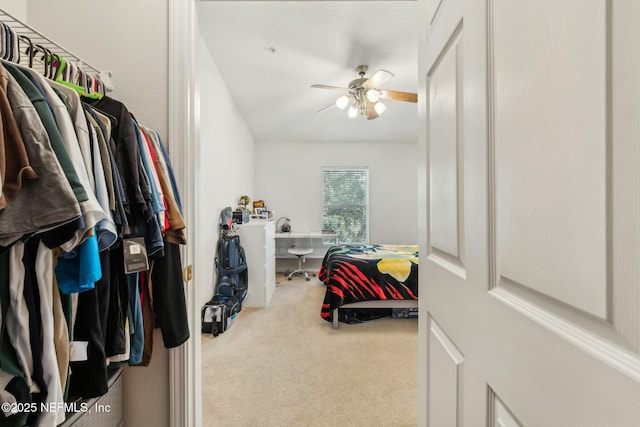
[322,110]
[330,87]
[369,111]
[399,96]
[378,78]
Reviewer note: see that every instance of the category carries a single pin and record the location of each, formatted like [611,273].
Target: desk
[284,240]
[310,234]
[258,238]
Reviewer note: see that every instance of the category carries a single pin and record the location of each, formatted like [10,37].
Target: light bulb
[373,95]
[353,111]
[342,102]
[380,108]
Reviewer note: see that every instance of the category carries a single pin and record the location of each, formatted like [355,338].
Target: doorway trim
[183,144]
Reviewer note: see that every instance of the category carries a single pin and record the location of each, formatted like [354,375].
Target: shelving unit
[257,239]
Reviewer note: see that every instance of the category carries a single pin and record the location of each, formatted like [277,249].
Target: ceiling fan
[364,94]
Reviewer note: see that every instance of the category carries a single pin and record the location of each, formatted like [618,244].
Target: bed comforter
[354,273]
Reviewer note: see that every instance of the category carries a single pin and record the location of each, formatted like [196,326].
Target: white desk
[310,234]
[317,237]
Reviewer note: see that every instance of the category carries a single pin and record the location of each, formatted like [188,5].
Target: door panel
[549,108]
[625,173]
[502,417]
[433,8]
[445,378]
[446,223]
[529,132]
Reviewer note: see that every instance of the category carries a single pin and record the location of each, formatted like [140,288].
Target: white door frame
[183,145]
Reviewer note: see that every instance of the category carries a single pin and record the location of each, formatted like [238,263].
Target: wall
[226,164]
[130,39]
[15,8]
[289,180]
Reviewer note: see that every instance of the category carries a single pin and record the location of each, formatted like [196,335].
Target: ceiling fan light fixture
[342,102]
[380,108]
[373,95]
[367,93]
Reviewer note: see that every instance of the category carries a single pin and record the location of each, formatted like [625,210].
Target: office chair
[300,252]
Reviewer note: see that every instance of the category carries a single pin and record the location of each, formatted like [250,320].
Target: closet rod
[36,37]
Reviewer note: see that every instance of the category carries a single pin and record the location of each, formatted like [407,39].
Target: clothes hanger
[15,46]
[5,41]
[49,62]
[70,75]
[60,69]
[96,85]
[7,51]
[8,43]
[45,52]
[55,64]
[29,50]
[2,40]
[66,71]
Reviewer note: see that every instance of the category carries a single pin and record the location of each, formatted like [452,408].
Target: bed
[368,276]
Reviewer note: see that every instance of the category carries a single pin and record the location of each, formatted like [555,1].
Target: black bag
[231,264]
[213,316]
[219,314]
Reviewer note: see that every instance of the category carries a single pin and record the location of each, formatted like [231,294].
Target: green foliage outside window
[345,195]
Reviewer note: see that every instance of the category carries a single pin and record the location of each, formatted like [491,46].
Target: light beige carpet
[285,366]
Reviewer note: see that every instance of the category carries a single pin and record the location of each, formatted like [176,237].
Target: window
[345,201]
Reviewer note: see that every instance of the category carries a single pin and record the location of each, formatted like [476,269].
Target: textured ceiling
[270,52]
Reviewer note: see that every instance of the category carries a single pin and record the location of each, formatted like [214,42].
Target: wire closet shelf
[29,38]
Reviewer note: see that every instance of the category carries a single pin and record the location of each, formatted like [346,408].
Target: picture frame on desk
[261,212]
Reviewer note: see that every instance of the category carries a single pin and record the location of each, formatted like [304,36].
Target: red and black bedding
[356,273]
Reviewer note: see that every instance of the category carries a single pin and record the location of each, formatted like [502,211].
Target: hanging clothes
[43,203]
[77,176]
[12,147]
[14,387]
[168,297]
[127,154]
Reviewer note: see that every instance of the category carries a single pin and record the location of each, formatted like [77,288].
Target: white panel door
[530,213]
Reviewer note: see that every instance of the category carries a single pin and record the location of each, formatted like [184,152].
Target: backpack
[231,264]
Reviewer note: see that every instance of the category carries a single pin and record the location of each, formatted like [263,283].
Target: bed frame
[389,303]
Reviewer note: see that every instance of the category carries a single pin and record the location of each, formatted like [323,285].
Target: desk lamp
[286,227]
